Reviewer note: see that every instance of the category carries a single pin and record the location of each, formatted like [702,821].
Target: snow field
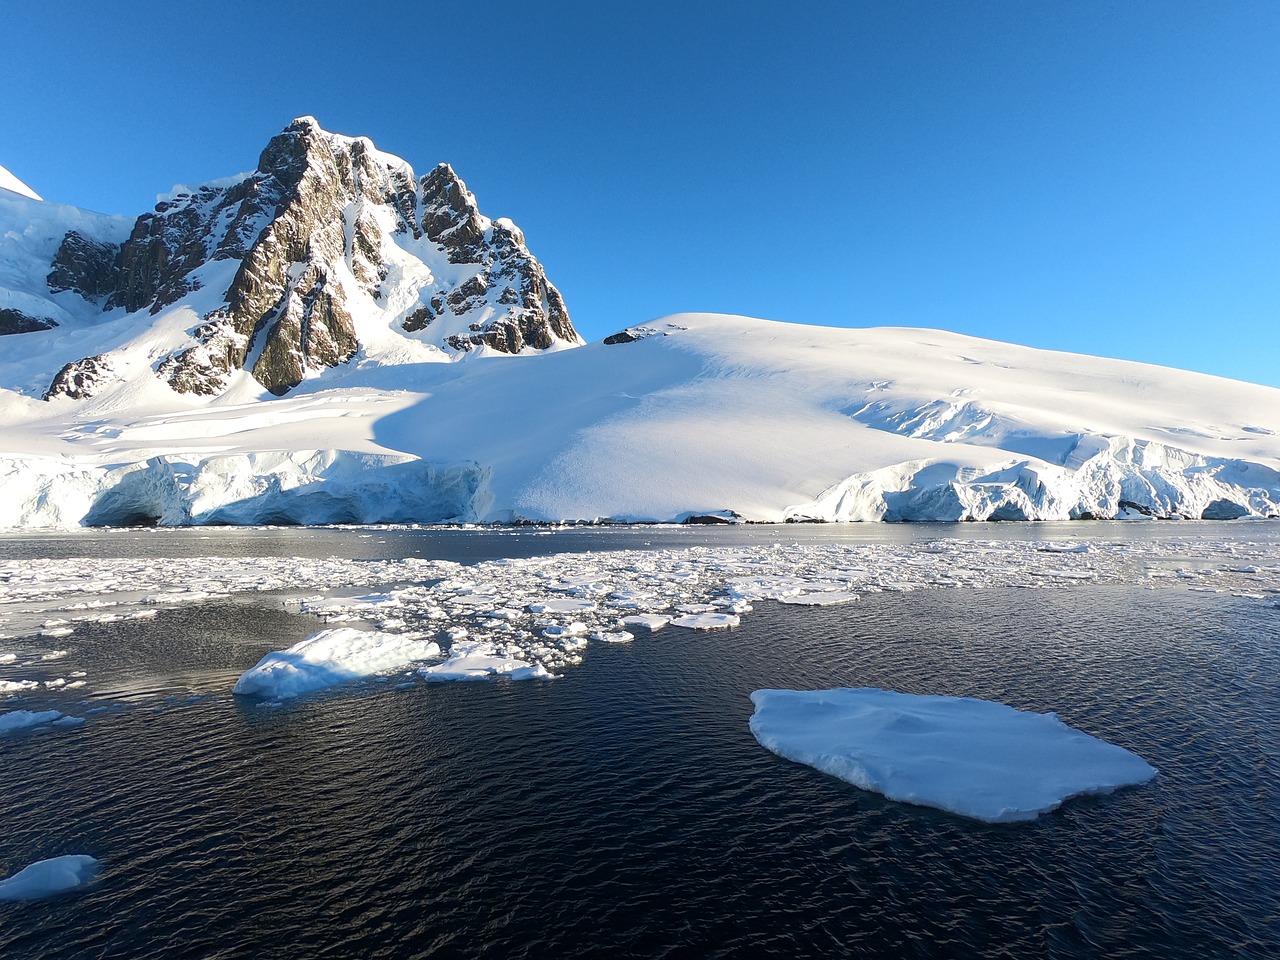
[975,758]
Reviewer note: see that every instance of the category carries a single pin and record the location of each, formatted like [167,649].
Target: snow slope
[696,414]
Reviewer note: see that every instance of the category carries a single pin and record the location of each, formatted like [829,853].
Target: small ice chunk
[18,686]
[825,598]
[707,621]
[563,606]
[22,719]
[8,657]
[558,631]
[55,654]
[331,657]
[976,758]
[697,608]
[45,878]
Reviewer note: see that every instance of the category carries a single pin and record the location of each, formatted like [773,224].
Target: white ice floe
[46,878]
[329,658]
[976,758]
[618,636]
[707,621]
[824,598]
[25,719]
[477,660]
[648,622]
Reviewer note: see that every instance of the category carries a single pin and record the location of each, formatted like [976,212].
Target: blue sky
[1091,176]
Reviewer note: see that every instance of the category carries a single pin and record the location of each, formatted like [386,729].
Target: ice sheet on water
[976,758]
[527,607]
[46,878]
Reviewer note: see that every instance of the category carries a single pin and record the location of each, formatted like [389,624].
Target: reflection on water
[626,809]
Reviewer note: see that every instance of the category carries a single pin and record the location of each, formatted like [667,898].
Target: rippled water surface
[626,810]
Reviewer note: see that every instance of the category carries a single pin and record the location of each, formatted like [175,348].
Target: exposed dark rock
[1224,510]
[717,517]
[313,331]
[418,320]
[84,266]
[450,216]
[15,321]
[622,336]
[81,379]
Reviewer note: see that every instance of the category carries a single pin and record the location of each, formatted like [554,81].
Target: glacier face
[709,415]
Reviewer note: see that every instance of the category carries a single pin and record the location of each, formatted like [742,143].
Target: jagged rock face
[15,321]
[82,379]
[534,316]
[85,266]
[315,230]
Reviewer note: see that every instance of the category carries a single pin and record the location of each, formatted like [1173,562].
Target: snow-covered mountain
[332,339]
[330,251]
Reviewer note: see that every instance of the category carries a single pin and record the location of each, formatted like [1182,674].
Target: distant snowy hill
[332,339]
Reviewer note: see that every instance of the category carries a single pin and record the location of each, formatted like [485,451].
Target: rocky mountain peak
[329,233]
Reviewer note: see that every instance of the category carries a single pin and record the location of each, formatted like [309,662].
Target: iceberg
[45,878]
[329,658]
[975,758]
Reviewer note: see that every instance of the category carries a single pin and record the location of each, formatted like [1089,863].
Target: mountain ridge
[325,228]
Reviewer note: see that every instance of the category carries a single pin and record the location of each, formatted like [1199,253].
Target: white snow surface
[46,878]
[11,183]
[329,658]
[975,758]
[706,415]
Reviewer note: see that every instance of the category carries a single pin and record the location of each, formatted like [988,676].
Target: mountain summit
[329,251]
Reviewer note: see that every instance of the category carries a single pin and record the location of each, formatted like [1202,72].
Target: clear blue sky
[1092,175]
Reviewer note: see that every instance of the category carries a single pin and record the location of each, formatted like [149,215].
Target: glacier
[764,421]
[975,758]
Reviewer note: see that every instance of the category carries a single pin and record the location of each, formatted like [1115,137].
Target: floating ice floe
[25,719]
[976,758]
[329,658]
[46,878]
[707,621]
[478,660]
[648,622]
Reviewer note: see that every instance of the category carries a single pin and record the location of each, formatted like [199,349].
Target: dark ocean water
[625,809]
